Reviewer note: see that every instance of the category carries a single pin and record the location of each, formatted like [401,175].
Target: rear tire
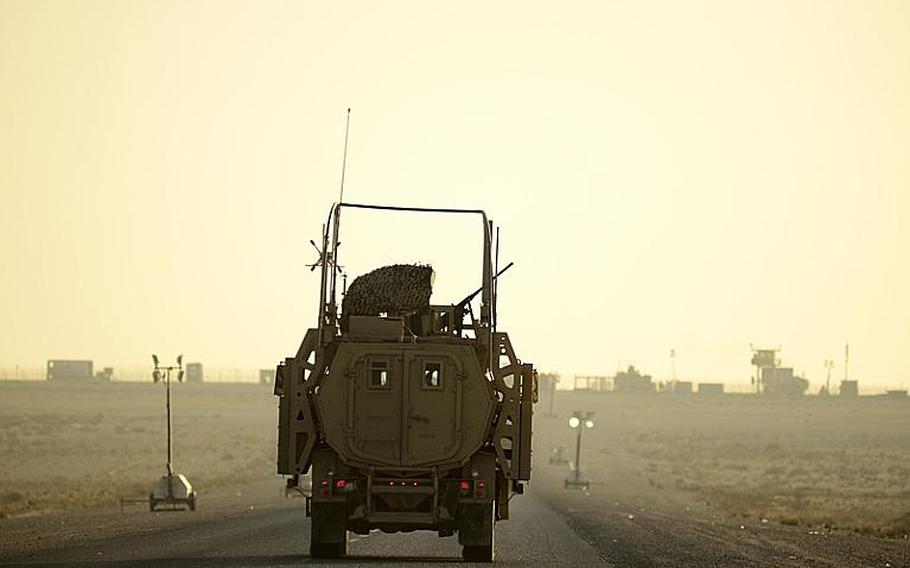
[328,534]
[477,531]
[477,553]
[328,550]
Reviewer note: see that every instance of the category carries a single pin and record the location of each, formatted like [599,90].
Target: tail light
[473,489]
[328,487]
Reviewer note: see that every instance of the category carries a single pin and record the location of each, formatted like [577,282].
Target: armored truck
[411,415]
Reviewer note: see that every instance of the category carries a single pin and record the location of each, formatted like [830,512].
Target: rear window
[379,375]
[432,375]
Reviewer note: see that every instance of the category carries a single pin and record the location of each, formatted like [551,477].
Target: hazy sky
[688,175]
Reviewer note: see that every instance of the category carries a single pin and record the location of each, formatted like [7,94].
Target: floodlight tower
[673,364]
[173,488]
[156,376]
[578,422]
[829,364]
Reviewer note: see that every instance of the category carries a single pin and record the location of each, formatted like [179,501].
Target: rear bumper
[421,501]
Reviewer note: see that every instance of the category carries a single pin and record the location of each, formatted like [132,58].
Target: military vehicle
[412,416]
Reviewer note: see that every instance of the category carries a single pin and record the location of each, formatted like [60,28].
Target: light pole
[578,422]
[172,489]
[156,376]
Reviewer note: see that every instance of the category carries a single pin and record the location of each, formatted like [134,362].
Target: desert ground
[73,446]
[821,463]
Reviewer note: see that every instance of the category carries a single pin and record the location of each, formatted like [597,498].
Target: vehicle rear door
[377,400]
[432,405]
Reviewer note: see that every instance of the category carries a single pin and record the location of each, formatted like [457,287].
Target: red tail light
[480,490]
[341,486]
[465,487]
[325,489]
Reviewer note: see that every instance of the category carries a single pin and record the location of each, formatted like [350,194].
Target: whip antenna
[344,159]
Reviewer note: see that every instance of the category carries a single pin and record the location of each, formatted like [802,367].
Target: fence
[136,373]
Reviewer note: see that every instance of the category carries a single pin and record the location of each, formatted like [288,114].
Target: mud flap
[475,524]
[328,535]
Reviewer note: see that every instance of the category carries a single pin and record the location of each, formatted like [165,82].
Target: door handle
[418,417]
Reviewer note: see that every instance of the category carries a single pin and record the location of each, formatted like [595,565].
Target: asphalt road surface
[619,523]
[259,528]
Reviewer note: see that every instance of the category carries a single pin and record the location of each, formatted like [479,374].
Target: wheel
[476,531]
[151,502]
[192,503]
[328,533]
[328,549]
[477,553]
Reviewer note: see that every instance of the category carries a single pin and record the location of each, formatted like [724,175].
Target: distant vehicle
[412,416]
[559,456]
[631,380]
[266,376]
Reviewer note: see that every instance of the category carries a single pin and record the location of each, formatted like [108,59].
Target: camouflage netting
[395,290]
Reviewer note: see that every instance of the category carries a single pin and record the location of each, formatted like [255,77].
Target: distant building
[680,387]
[772,379]
[631,380]
[546,383]
[267,376]
[712,389]
[546,391]
[765,358]
[69,370]
[194,372]
[898,393]
[849,388]
[780,381]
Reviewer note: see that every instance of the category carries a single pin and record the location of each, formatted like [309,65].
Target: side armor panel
[512,431]
[296,419]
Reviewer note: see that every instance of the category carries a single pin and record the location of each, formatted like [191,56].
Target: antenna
[331,249]
[496,280]
[344,159]
[846,359]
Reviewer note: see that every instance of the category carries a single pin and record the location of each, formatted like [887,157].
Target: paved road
[260,529]
[620,524]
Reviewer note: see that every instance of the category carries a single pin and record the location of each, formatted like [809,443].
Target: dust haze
[704,203]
